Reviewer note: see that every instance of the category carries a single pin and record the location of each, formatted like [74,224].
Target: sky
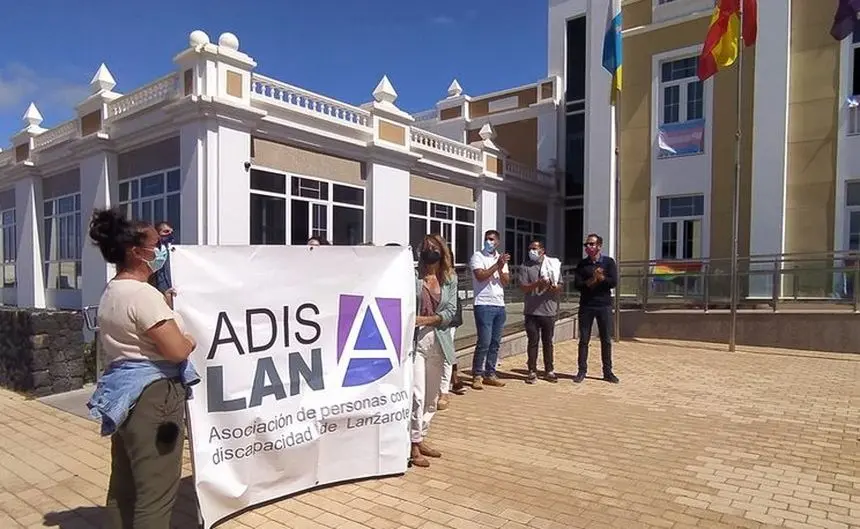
[339,48]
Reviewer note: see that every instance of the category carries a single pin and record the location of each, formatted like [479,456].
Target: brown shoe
[425,450]
[457,386]
[443,403]
[494,382]
[418,460]
[477,382]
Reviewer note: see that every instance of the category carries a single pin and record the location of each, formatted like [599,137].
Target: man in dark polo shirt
[595,277]
[541,283]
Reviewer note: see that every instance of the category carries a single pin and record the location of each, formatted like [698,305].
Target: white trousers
[427,372]
[448,369]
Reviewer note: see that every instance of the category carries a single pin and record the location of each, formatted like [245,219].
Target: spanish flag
[722,41]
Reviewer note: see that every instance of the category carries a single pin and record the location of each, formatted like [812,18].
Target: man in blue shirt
[595,277]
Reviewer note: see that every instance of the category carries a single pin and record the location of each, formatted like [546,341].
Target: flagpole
[736,198]
[617,203]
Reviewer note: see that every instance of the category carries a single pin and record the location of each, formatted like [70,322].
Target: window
[682,96]
[63,242]
[8,247]
[852,202]
[454,223]
[673,9]
[681,123]
[680,226]
[855,52]
[574,181]
[315,208]
[573,234]
[853,109]
[576,60]
[519,233]
[153,198]
[574,141]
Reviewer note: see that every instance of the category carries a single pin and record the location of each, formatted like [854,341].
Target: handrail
[269,89]
[144,97]
[758,258]
[430,141]
[425,115]
[61,132]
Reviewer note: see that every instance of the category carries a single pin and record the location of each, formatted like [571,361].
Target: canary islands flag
[612,44]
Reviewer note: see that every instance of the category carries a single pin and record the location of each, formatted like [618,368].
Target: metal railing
[810,281]
[815,281]
[805,281]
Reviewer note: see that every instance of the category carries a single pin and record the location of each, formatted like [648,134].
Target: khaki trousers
[146,460]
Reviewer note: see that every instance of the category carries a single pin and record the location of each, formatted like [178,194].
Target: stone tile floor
[693,437]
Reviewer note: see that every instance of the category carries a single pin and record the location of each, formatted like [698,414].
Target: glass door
[680,239]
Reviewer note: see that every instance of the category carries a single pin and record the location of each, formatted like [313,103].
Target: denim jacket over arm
[124,381]
[446,310]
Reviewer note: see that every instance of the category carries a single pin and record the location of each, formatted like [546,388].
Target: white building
[229,156]
[232,157]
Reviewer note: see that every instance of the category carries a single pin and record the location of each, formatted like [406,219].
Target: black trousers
[540,329]
[587,316]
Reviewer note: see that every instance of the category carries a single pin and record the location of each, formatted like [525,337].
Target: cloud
[442,20]
[20,84]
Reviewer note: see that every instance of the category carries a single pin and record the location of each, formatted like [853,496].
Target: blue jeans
[489,322]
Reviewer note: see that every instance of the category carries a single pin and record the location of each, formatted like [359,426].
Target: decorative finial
[384,92]
[198,38]
[102,81]
[454,89]
[229,41]
[32,117]
[487,132]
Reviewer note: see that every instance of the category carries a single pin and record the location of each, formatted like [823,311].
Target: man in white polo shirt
[490,276]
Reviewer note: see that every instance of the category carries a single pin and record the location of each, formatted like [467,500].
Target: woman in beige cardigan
[436,290]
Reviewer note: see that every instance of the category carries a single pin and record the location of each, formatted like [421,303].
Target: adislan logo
[371,343]
[367,344]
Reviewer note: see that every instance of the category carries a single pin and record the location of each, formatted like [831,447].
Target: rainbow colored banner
[670,270]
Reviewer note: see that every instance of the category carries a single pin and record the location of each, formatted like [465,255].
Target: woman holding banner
[450,377]
[436,304]
[140,398]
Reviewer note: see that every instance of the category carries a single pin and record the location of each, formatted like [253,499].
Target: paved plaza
[692,437]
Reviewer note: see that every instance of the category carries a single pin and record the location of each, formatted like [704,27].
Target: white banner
[304,355]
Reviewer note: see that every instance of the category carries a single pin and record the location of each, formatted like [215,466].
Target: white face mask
[534,255]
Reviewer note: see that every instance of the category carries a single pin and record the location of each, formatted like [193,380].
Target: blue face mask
[489,247]
[168,239]
[158,260]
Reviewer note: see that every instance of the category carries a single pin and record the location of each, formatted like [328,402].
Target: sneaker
[551,377]
[612,379]
[532,378]
[477,382]
[579,377]
[494,381]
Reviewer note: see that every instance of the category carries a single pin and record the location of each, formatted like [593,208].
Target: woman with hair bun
[140,398]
